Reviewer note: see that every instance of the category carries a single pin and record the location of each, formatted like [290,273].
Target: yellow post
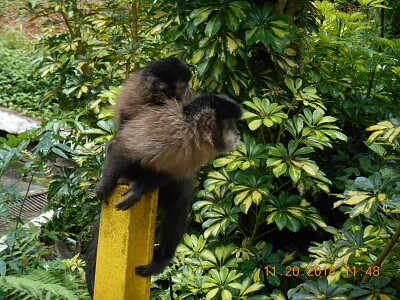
[126,240]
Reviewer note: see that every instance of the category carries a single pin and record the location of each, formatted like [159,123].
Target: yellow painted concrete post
[126,240]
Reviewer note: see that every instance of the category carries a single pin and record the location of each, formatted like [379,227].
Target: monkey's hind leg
[174,198]
[91,260]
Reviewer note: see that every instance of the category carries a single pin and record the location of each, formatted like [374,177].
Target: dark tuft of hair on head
[168,69]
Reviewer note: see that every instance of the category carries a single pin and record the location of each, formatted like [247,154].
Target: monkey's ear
[206,124]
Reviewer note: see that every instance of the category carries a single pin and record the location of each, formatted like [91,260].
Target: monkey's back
[163,139]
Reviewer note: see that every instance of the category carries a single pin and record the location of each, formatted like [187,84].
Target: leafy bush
[22,85]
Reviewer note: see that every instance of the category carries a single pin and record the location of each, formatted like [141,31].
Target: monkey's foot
[151,269]
[132,196]
[126,203]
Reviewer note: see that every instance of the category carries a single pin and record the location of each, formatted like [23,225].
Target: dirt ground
[9,12]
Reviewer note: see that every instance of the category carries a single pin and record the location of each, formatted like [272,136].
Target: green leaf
[207,254]
[211,294]
[281,220]
[273,161]
[274,151]
[198,55]
[290,84]
[240,197]
[292,146]
[304,150]
[222,161]
[281,148]
[200,15]
[310,168]
[235,87]
[218,69]
[226,295]
[232,20]
[59,152]
[203,67]
[279,170]
[293,224]
[213,26]
[51,235]
[363,183]
[253,125]
[234,165]
[295,173]
[268,122]
[256,197]
[259,35]
[247,115]
[3,268]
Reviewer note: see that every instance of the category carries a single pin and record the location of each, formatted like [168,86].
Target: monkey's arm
[174,199]
[143,181]
[116,164]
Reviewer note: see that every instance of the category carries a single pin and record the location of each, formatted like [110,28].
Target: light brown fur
[164,140]
[137,92]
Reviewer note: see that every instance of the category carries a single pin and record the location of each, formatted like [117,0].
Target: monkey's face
[178,89]
[229,136]
[182,90]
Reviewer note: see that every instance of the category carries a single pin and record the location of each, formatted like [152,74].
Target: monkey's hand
[102,193]
[132,197]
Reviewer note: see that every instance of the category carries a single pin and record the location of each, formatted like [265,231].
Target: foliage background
[311,192]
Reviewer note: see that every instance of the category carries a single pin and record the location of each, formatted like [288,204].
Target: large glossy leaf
[213,26]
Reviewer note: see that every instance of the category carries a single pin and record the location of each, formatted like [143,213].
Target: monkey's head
[216,117]
[170,78]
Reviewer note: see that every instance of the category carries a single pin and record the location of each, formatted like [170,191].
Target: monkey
[162,147]
[171,141]
[159,81]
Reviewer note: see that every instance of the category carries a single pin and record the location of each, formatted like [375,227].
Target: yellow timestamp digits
[315,271]
[296,271]
[371,271]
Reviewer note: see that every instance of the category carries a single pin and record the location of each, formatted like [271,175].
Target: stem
[80,48]
[21,208]
[383,254]
[371,81]
[256,226]
[68,23]
[265,233]
[134,30]
[24,200]
[382,20]
[382,24]
[278,138]
[279,6]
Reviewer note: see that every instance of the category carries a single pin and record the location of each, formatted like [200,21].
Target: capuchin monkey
[159,81]
[162,147]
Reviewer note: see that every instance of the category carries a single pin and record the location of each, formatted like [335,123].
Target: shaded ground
[35,195]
